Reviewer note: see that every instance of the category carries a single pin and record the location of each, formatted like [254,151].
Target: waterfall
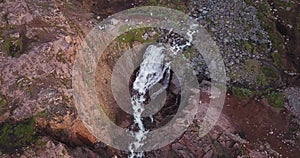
[153,69]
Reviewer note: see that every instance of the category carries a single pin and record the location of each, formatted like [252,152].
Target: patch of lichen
[136,35]
[174,4]
[242,93]
[276,99]
[16,135]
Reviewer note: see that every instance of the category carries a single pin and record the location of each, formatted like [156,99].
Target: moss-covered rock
[242,93]
[248,46]
[260,75]
[276,99]
[266,76]
[136,35]
[17,135]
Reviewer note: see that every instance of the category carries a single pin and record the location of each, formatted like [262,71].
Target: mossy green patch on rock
[276,99]
[42,114]
[260,74]
[136,35]
[14,136]
[277,59]
[248,46]
[242,93]
[267,76]
[189,52]
[269,72]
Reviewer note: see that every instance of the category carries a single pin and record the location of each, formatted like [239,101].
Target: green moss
[42,114]
[276,99]
[124,28]
[189,52]
[263,75]
[269,72]
[266,76]
[14,136]
[277,59]
[241,93]
[136,35]
[261,80]
[3,104]
[248,46]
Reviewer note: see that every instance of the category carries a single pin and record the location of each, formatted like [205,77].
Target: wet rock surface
[38,42]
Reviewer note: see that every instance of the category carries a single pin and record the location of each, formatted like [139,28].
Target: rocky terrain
[259,41]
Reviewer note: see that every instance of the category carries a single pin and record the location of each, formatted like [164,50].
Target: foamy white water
[152,70]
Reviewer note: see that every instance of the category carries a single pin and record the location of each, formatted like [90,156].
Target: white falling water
[152,70]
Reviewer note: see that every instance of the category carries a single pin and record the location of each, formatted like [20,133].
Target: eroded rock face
[37,82]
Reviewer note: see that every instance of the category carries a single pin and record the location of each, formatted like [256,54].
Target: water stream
[154,68]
